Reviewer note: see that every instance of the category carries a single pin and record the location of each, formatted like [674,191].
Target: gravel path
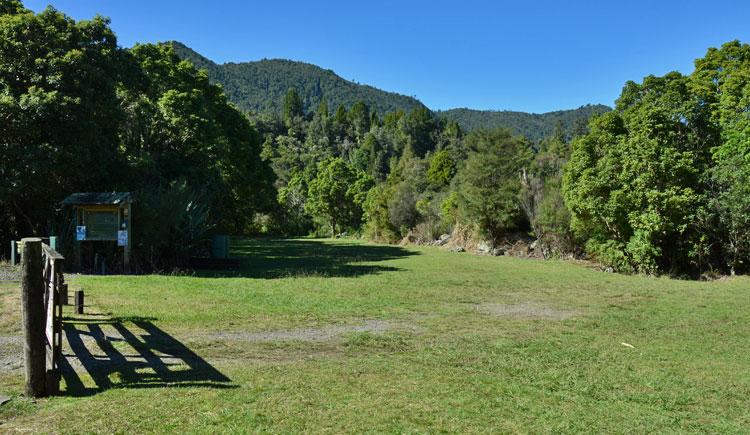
[11,346]
[323,333]
[9,273]
[11,353]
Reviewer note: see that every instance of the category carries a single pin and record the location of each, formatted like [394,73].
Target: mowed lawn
[343,336]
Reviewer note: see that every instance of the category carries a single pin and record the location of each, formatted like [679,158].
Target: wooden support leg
[79,301]
[64,294]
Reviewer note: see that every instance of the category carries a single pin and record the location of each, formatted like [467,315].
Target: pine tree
[292,107]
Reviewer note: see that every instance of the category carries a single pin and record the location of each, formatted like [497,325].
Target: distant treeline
[535,126]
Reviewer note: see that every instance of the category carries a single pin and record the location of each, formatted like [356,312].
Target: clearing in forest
[343,336]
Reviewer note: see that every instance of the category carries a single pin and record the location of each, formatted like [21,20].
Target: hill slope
[260,86]
[532,125]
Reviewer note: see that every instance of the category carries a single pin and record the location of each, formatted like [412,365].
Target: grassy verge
[330,336]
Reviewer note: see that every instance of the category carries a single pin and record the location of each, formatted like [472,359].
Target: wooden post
[79,301]
[33,317]
[64,294]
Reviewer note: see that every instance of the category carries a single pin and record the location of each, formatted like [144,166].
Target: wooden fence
[43,294]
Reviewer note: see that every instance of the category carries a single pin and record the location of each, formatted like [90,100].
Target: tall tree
[490,180]
[359,118]
[179,125]
[58,103]
[292,106]
[722,82]
[417,129]
[10,7]
[634,182]
[337,195]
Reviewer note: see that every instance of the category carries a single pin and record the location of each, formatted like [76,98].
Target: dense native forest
[535,126]
[660,184]
[260,87]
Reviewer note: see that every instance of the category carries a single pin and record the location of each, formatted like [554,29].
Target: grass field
[331,336]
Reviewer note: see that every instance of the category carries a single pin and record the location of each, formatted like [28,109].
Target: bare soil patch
[526,310]
[324,333]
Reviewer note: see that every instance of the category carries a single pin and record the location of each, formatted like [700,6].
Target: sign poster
[122,238]
[80,233]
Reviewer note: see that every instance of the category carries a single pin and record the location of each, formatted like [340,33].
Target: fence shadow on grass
[281,258]
[130,353]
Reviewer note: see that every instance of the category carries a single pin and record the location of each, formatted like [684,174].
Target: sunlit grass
[472,344]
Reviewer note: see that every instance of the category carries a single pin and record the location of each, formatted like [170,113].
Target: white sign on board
[122,238]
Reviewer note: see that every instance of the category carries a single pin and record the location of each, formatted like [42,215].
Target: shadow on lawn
[137,356]
[281,258]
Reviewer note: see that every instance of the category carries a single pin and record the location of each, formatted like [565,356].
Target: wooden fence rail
[42,285]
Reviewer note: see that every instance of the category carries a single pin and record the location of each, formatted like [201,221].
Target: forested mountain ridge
[259,86]
[535,126]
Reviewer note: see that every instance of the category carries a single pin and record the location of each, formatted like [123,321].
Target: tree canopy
[82,114]
[658,184]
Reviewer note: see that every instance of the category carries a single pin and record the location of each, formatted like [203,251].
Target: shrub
[170,225]
[377,217]
[402,208]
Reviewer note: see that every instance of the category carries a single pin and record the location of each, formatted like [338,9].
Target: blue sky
[531,56]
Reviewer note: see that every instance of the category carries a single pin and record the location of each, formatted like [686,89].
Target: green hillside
[259,86]
[532,125]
